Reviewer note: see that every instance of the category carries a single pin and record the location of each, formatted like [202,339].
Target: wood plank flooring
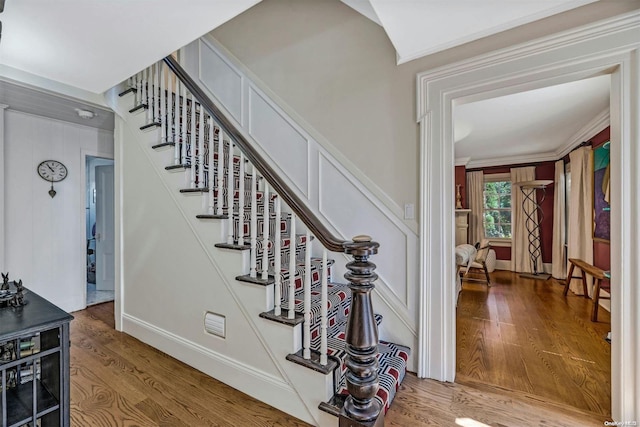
[118,381]
[524,335]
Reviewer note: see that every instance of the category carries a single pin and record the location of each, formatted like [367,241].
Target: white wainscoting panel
[279,137]
[351,213]
[222,79]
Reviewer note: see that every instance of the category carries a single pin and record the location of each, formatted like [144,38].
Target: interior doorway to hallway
[99,229]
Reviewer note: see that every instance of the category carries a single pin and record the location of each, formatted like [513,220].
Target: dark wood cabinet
[34,364]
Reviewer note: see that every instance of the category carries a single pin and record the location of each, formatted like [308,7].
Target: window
[497,206]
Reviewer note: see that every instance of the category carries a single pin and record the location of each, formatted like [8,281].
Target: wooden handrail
[313,223]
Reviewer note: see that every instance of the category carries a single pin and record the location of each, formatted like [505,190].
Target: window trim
[498,177]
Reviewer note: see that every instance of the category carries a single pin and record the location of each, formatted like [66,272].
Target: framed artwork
[601,208]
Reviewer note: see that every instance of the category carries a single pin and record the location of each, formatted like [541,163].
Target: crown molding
[519,52]
[513,160]
[462,161]
[596,125]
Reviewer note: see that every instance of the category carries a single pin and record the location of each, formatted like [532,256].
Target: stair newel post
[192,144]
[277,310]
[241,200]
[292,269]
[265,232]
[183,127]
[361,341]
[212,178]
[324,284]
[201,168]
[163,104]
[306,346]
[220,171]
[230,180]
[254,222]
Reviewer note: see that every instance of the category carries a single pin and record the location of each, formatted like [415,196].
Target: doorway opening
[99,230]
[597,49]
[518,333]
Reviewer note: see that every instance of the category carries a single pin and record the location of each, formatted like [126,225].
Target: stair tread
[392,359]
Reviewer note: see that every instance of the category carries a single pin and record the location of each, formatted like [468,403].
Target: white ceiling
[96,44]
[81,48]
[539,125]
[418,28]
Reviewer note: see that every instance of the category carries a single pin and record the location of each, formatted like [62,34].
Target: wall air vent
[215,324]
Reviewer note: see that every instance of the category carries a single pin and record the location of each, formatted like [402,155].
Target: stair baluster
[307,299]
[192,144]
[156,94]
[163,105]
[183,127]
[323,309]
[277,297]
[201,166]
[150,98]
[230,180]
[220,170]
[265,232]
[144,99]
[212,178]
[176,122]
[292,273]
[254,223]
[136,86]
[241,201]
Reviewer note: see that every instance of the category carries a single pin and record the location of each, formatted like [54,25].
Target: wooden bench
[598,275]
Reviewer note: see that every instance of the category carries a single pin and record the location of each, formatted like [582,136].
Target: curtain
[475,196]
[581,212]
[520,259]
[558,254]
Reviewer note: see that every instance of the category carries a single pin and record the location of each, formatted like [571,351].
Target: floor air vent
[215,324]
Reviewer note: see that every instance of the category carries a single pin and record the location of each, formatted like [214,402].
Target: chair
[484,261]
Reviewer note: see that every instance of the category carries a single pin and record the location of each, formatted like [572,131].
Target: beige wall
[337,70]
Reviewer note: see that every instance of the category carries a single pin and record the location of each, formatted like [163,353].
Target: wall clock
[52,171]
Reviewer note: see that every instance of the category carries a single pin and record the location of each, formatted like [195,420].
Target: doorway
[99,229]
[606,47]
[522,334]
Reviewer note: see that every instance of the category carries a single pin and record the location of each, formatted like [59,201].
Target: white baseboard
[260,385]
[505,264]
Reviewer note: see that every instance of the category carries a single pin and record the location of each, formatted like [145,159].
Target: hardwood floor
[524,335]
[118,381]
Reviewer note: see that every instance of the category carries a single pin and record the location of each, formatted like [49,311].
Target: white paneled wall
[45,237]
[279,137]
[330,189]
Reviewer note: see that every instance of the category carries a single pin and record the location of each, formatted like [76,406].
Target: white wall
[45,238]
[338,71]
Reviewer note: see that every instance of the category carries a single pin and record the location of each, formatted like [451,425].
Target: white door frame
[606,47]
[84,153]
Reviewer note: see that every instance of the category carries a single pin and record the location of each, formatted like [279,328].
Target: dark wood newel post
[361,408]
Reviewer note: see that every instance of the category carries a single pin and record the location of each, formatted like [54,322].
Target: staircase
[332,323]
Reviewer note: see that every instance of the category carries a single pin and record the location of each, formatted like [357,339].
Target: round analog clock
[52,170]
